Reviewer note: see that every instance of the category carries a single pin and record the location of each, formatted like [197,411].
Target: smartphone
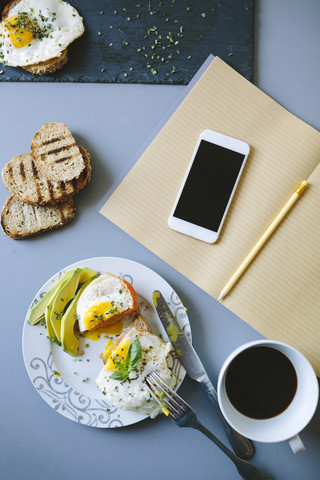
[208,186]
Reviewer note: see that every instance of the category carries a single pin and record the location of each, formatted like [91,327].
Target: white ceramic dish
[67,383]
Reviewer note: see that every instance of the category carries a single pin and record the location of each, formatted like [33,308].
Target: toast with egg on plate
[106,300]
[36,34]
[21,220]
[56,153]
[28,184]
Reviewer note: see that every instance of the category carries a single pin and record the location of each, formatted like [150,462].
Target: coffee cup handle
[296,444]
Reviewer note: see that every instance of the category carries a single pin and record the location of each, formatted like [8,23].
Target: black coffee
[261,382]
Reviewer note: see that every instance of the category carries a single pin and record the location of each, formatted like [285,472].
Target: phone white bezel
[189,228]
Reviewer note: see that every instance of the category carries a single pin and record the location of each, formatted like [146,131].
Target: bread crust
[139,323]
[26,182]
[8,7]
[49,66]
[20,220]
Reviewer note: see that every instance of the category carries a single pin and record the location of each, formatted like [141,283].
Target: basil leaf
[135,352]
[121,373]
[130,361]
[126,360]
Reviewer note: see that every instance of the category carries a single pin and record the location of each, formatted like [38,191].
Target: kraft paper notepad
[279,293]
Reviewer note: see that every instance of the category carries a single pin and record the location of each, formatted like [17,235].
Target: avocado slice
[50,329]
[86,273]
[64,294]
[37,313]
[69,341]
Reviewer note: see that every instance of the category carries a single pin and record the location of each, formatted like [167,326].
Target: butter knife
[195,369]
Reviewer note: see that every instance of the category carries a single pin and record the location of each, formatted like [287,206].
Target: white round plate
[67,383]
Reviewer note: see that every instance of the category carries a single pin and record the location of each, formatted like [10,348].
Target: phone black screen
[209,185]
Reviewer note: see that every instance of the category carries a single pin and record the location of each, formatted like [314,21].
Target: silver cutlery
[195,369]
[184,416]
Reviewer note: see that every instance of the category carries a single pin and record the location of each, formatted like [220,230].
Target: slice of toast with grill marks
[26,182]
[56,153]
[21,220]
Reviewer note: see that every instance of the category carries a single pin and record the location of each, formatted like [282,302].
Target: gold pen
[294,197]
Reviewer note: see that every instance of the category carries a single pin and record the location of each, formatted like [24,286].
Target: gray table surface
[112,121]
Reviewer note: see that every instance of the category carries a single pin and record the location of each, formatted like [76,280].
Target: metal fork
[183,415]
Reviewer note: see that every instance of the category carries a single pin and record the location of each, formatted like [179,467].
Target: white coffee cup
[287,424]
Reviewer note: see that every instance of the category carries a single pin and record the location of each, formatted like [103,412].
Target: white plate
[67,383]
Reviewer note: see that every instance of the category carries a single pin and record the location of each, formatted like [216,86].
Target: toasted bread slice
[56,153]
[26,182]
[20,220]
[140,323]
[49,66]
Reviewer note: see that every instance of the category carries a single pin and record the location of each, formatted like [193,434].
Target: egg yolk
[20,33]
[99,313]
[118,354]
[108,349]
[113,329]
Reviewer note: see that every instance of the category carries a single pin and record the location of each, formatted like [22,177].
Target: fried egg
[106,299]
[132,393]
[38,30]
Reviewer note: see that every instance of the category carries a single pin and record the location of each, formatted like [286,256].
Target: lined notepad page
[284,151]
[279,295]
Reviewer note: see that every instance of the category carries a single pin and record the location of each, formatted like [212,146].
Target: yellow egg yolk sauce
[114,329]
[97,314]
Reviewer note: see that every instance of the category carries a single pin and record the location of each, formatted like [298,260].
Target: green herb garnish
[130,362]
[23,23]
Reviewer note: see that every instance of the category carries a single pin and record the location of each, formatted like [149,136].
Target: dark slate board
[123,41]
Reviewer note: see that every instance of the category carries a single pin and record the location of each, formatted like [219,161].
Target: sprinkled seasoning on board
[164,37]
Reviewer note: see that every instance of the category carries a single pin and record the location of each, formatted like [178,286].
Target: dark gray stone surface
[118,47]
